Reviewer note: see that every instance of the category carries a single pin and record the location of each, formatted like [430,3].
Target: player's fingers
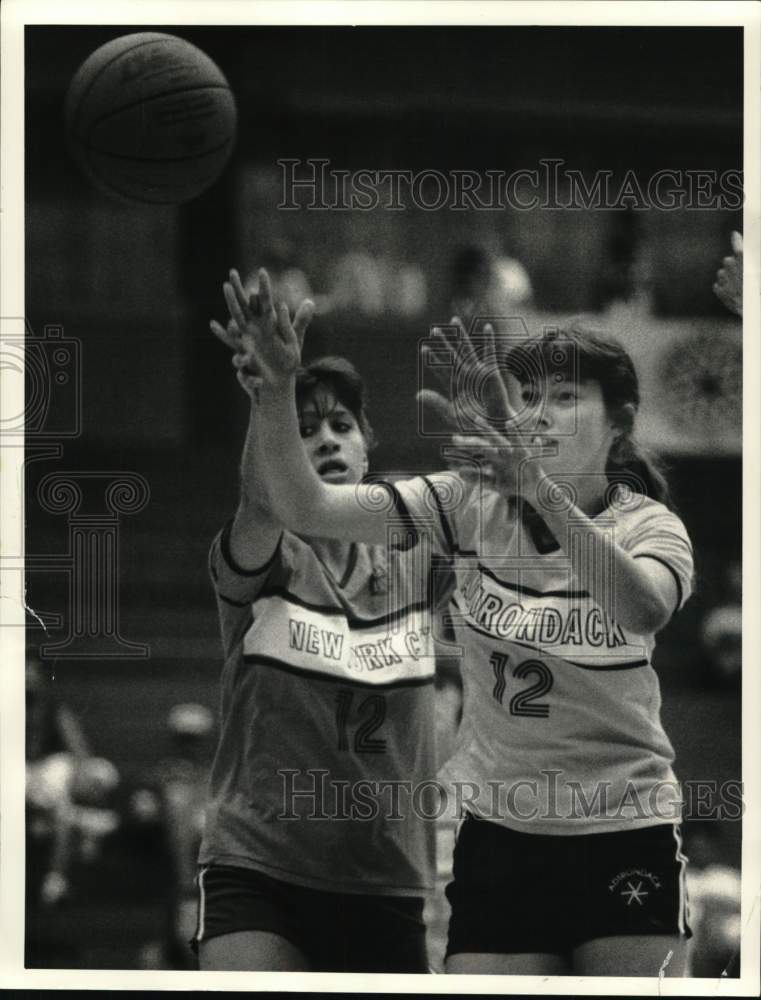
[472,442]
[440,407]
[464,338]
[490,352]
[251,377]
[240,292]
[514,392]
[448,339]
[284,325]
[737,242]
[233,305]
[487,437]
[224,335]
[497,393]
[508,437]
[437,362]
[249,383]
[302,319]
[246,363]
[265,293]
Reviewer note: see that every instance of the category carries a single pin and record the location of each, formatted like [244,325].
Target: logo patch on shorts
[634,886]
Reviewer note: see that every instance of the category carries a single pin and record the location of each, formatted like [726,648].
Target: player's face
[572,421]
[333,441]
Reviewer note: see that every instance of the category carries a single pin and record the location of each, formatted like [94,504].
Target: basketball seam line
[156,97]
[102,70]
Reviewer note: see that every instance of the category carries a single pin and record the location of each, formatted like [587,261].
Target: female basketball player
[312,858]
[569,859]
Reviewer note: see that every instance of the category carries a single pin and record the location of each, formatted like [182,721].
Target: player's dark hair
[581,354]
[341,377]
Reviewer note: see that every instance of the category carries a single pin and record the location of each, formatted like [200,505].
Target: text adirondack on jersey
[327,719]
[561,729]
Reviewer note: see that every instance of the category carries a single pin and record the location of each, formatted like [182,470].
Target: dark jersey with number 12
[327,719]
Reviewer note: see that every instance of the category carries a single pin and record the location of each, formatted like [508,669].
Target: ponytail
[636,468]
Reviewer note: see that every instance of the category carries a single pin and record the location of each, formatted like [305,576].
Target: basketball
[150,118]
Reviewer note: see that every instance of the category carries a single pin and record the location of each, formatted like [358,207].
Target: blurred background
[121,709]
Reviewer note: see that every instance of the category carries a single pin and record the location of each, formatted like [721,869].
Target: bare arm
[299,498]
[255,531]
[642,594]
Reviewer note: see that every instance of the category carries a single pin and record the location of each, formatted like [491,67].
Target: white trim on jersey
[332,646]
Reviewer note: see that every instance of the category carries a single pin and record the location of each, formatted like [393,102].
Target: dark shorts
[516,893]
[337,932]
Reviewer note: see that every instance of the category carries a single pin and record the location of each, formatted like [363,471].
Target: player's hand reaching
[729,278]
[266,345]
[481,385]
[243,361]
[483,417]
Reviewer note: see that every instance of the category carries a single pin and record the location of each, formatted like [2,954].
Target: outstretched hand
[266,345]
[729,278]
[242,360]
[483,416]
[483,388]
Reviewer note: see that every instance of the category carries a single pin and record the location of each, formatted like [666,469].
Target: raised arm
[255,530]
[299,499]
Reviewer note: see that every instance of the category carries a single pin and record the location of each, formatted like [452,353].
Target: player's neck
[587,497]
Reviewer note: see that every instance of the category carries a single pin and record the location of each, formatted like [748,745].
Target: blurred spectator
[713,892]
[359,283]
[374,286]
[484,284]
[289,284]
[69,810]
[175,801]
[721,631]
[411,296]
[69,792]
[728,286]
